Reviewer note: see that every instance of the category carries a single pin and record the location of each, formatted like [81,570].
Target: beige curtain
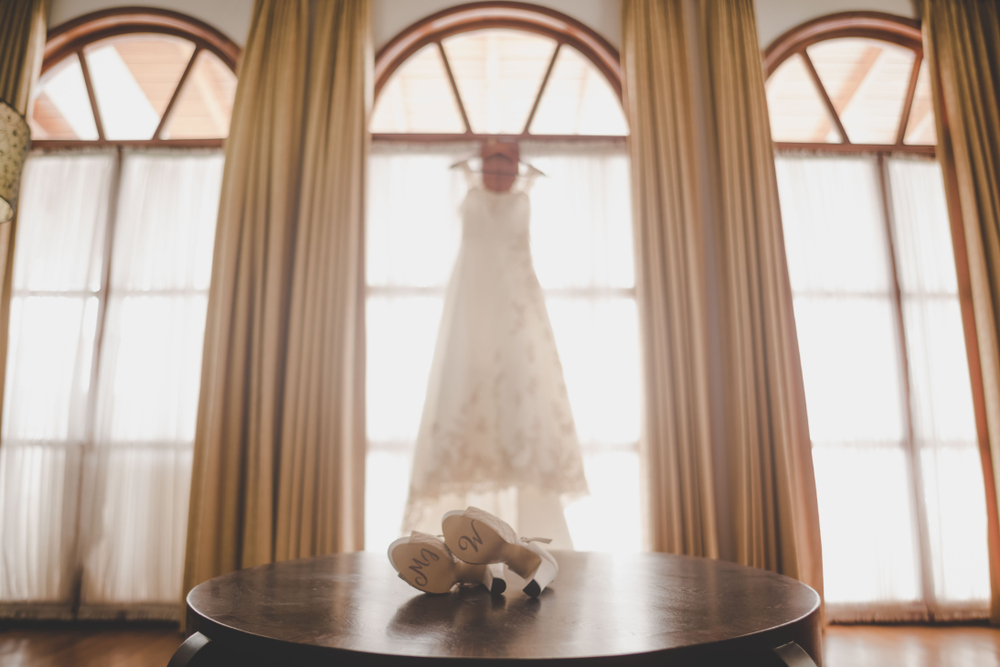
[279,448]
[670,280]
[773,503]
[22,47]
[766,511]
[962,44]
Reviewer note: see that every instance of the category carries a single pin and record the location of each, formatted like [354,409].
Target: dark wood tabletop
[621,609]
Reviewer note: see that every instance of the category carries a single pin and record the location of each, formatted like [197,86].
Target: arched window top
[126,76]
[851,81]
[497,69]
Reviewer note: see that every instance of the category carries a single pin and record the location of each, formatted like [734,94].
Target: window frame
[904,32]
[477,16]
[71,38]
[868,25]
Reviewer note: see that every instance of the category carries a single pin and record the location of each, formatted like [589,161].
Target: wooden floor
[104,645]
[911,646]
[87,645]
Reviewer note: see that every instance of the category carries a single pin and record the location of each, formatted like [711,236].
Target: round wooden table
[602,609]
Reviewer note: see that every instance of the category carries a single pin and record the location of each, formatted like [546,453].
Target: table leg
[194,652]
[792,655]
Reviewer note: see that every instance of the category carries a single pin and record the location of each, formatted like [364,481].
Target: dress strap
[470,176]
[528,178]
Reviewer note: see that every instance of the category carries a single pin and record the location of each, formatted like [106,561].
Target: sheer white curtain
[944,427]
[581,241]
[902,506]
[54,307]
[581,231]
[113,462]
[138,471]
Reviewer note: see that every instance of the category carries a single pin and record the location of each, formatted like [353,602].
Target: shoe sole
[434,571]
[422,566]
[475,541]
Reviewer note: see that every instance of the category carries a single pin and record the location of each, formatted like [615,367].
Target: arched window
[873,274]
[510,70]
[549,87]
[852,82]
[111,270]
[124,77]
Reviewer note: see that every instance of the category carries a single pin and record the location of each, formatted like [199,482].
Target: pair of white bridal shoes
[475,548]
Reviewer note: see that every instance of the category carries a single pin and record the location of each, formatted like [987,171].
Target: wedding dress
[496,430]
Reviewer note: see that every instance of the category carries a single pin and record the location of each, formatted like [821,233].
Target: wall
[232,17]
[391,16]
[774,17]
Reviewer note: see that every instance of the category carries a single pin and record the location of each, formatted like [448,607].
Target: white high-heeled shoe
[426,563]
[476,536]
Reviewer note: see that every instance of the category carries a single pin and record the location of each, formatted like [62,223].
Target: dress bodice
[498,216]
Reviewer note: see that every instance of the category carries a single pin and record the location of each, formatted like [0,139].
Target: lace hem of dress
[426,509]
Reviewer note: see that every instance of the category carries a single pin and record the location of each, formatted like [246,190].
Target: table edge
[196,621]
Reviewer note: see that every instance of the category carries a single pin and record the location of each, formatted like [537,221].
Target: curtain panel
[676,439]
[22,47]
[280,439]
[766,511]
[962,43]
[772,487]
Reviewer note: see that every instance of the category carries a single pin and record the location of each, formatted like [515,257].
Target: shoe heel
[544,575]
[494,580]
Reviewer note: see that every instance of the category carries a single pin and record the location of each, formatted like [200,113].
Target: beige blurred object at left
[14,139]
[22,45]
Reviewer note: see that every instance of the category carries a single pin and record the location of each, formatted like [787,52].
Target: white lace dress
[496,431]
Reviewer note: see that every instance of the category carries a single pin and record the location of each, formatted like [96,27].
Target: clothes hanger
[531,168]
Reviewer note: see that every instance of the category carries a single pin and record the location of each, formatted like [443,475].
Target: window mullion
[541,89]
[830,108]
[911,90]
[454,87]
[102,298]
[917,492]
[90,94]
[177,93]
[90,422]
